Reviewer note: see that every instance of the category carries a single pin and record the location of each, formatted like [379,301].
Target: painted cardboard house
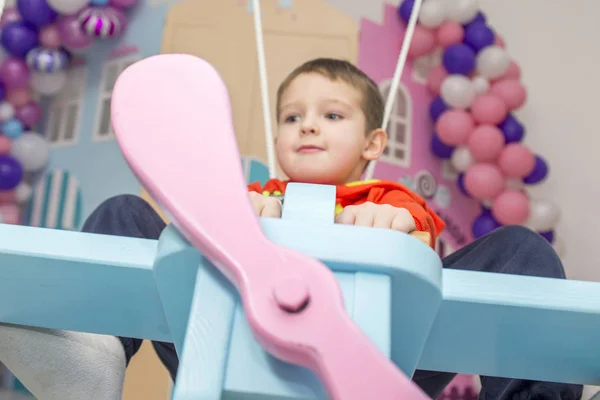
[86,164]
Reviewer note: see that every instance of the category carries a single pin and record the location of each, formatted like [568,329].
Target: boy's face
[321,131]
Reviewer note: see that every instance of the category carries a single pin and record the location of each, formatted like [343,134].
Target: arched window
[397,150]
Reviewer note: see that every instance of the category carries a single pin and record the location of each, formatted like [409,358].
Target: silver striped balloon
[103,22]
[47,60]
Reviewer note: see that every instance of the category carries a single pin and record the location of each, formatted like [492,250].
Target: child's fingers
[403,221]
[271,209]
[347,216]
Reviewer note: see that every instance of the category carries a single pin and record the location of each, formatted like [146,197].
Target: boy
[328,114]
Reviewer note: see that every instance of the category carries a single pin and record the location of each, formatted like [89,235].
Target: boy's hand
[265,206]
[377,216]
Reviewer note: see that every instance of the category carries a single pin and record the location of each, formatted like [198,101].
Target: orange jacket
[375,191]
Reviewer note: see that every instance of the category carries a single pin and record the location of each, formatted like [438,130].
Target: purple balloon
[439,148]
[539,173]
[11,172]
[484,224]
[38,12]
[459,59]
[405,10]
[549,236]
[9,15]
[71,33]
[14,73]
[437,108]
[479,18]
[29,114]
[460,181]
[479,36]
[123,3]
[19,37]
[2,91]
[512,129]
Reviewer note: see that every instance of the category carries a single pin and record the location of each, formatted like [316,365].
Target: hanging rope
[264,88]
[391,98]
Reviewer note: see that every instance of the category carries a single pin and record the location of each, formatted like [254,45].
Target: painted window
[64,111]
[111,71]
[423,65]
[56,202]
[397,150]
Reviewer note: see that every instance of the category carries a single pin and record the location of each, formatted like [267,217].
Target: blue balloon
[11,172]
[539,173]
[12,128]
[437,108]
[439,148]
[478,36]
[405,10]
[484,224]
[479,18]
[549,236]
[37,12]
[512,129]
[19,38]
[459,59]
[460,181]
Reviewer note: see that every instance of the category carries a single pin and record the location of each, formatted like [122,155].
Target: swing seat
[394,288]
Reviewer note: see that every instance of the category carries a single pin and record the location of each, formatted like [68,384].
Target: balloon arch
[38,38]
[476,89]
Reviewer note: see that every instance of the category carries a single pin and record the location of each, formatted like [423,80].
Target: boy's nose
[309,129]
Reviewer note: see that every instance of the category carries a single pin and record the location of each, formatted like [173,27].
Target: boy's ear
[375,143]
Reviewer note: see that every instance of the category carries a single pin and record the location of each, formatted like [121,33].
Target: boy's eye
[291,119]
[333,116]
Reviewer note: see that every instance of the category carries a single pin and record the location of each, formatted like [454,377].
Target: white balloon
[543,215]
[516,184]
[433,13]
[67,6]
[7,111]
[457,91]
[492,62]
[461,159]
[23,192]
[481,85]
[31,150]
[48,83]
[462,11]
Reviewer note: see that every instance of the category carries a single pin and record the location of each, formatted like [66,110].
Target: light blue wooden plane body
[394,287]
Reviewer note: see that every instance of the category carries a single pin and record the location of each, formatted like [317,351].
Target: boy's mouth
[307,149]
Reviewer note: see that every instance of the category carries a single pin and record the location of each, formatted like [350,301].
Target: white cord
[264,88]
[410,29]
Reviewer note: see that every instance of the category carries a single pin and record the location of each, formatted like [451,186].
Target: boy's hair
[372,100]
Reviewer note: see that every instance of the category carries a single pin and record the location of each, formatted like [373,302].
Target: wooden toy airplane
[295,308]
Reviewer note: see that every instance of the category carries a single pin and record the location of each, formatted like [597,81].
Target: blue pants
[509,250]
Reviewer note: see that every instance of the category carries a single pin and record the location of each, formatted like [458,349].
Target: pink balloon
[123,3]
[516,161]
[454,126]
[513,71]
[9,213]
[7,196]
[10,15]
[449,33]
[18,97]
[423,42]
[14,73]
[489,109]
[435,78]
[511,207]
[484,181]
[71,33]
[29,114]
[50,36]
[511,91]
[498,41]
[486,143]
[5,145]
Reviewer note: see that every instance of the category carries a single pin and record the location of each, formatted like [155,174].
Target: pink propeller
[172,118]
